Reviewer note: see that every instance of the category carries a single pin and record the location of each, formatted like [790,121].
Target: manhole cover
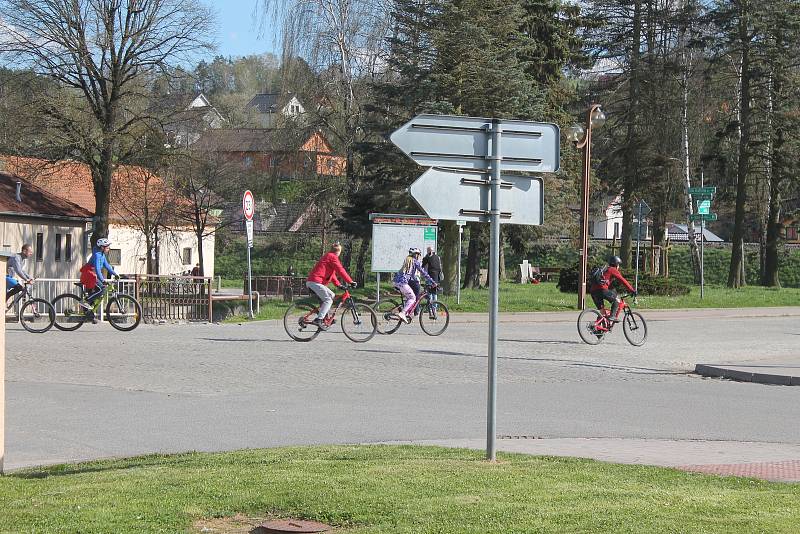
[290,525]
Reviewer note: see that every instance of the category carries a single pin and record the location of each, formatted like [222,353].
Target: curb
[731,373]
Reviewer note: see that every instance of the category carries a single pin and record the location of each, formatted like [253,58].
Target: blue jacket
[98,261]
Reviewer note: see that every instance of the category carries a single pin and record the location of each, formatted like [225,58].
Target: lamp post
[582,137]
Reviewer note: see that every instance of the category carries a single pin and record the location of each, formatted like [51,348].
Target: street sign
[702,190]
[249,226]
[464,196]
[704,207]
[466,143]
[702,196]
[248,205]
[703,217]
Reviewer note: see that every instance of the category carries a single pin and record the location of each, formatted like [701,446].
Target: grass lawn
[547,297]
[392,489]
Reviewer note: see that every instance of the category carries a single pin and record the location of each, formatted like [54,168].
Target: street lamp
[582,137]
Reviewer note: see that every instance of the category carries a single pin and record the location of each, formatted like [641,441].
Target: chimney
[19,191]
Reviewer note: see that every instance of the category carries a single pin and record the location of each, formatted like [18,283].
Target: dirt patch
[238,524]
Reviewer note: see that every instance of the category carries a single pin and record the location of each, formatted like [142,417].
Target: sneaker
[402,316]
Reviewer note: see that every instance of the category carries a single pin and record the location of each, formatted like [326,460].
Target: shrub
[648,285]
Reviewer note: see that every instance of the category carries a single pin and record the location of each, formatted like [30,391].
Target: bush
[648,285]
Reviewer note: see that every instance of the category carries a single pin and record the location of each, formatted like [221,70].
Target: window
[115,256]
[39,247]
[58,247]
[68,247]
[616,230]
[187,256]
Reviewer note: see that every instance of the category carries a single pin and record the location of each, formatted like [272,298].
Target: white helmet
[103,242]
[414,250]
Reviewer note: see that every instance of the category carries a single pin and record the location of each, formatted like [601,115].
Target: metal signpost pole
[702,240]
[377,287]
[458,269]
[638,241]
[494,281]
[249,279]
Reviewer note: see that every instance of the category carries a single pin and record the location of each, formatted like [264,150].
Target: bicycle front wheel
[124,312]
[37,316]
[635,328]
[70,315]
[386,312]
[586,327]
[359,323]
[434,318]
[297,321]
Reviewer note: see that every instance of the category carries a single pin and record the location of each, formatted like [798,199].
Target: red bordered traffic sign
[248,205]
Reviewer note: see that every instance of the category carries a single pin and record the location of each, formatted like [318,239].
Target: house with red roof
[141,203]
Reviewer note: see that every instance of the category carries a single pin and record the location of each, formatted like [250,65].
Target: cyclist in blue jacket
[97,262]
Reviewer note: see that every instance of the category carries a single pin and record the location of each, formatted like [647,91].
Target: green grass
[388,489]
[547,297]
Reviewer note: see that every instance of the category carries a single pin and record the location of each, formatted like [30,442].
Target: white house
[267,109]
[176,249]
[187,124]
[605,219]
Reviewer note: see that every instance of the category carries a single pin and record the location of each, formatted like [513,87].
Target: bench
[548,272]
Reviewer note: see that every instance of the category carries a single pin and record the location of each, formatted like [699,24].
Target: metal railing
[163,297]
[278,285]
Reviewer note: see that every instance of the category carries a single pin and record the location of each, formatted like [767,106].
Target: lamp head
[575,133]
[598,118]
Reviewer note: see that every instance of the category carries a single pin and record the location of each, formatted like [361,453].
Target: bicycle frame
[602,324]
[345,298]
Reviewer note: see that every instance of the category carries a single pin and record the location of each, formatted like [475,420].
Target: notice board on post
[393,235]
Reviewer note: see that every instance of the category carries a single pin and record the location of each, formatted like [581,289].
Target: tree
[101,53]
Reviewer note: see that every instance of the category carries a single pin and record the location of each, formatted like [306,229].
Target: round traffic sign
[248,205]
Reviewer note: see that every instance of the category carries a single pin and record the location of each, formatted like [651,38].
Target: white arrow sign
[462,195]
[465,143]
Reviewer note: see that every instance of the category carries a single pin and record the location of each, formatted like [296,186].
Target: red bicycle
[358,320]
[594,325]
[433,315]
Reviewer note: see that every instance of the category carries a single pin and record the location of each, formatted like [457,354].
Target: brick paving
[788,471]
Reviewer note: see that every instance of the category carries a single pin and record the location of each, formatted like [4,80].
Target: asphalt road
[97,393]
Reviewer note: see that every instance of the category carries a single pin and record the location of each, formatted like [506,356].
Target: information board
[392,236]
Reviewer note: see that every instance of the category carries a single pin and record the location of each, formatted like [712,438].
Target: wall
[16,231]
[131,243]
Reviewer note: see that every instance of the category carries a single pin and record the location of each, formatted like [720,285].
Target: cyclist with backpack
[600,290]
[92,272]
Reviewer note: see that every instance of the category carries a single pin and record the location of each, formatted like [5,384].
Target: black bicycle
[122,311]
[35,315]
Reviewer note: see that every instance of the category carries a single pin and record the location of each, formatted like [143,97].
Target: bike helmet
[103,242]
[413,251]
[614,261]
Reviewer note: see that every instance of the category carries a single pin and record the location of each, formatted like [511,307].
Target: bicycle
[358,320]
[35,315]
[122,311]
[433,316]
[593,326]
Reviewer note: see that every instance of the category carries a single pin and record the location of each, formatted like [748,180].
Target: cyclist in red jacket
[601,288]
[323,273]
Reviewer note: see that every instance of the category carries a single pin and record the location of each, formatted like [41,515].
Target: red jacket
[611,272]
[326,269]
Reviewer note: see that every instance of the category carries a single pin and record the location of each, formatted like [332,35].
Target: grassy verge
[377,489]
[547,297]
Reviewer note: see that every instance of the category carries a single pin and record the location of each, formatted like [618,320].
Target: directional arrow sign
[462,195]
[702,190]
[703,217]
[465,143]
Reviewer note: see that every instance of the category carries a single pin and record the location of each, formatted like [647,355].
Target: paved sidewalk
[769,461]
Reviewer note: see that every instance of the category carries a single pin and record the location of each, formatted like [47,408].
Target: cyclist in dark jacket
[602,291]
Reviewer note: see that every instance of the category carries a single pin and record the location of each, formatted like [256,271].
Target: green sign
[430,233]
[704,207]
[702,190]
[703,217]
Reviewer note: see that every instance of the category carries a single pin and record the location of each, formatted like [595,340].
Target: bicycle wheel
[434,318]
[359,323]
[37,316]
[123,312]
[387,322]
[635,328]
[297,321]
[586,322]
[70,315]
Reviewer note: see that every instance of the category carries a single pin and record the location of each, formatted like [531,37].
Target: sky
[238,33]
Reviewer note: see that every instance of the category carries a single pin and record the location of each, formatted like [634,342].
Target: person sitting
[323,273]
[600,289]
[403,278]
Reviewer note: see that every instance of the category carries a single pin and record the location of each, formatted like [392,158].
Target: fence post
[210,304]
[219,283]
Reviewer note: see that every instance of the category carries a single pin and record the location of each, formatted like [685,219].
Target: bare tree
[102,53]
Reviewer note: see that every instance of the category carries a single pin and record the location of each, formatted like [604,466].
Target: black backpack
[596,276]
